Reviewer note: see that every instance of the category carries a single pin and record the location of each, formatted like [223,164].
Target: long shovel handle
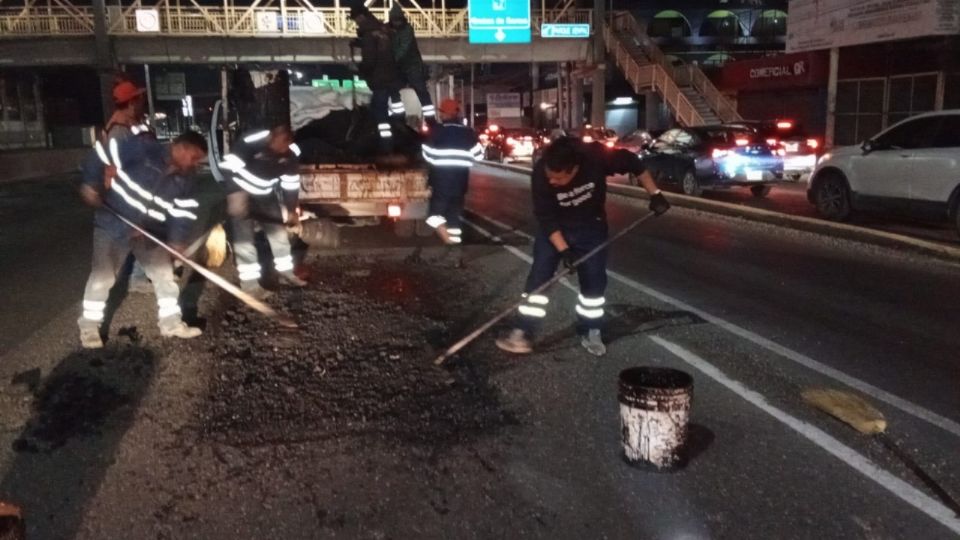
[563,273]
[282,320]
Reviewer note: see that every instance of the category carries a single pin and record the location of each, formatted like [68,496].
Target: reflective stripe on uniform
[532,311]
[591,302]
[295,149]
[249,271]
[290,182]
[93,310]
[283,264]
[448,162]
[168,307]
[436,221]
[589,313]
[538,299]
[253,137]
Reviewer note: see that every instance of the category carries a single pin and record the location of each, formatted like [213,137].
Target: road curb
[812,225]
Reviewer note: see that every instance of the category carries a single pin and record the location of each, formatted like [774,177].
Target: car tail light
[546,140]
[587,139]
[781,152]
[511,141]
[813,143]
[610,144]
[772,142]
[742,142]
[494,128]
[784,124]
[528,138]
[719,153]
[394,210]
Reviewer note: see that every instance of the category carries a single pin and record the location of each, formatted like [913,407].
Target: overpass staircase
[689,94]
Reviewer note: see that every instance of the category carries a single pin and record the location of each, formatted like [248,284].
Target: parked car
[600,134]
[912,168]
[637,142]
[714,157]
[511,144]
[800,149]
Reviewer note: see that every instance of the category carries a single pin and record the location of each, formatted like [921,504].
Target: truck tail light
[610,144]
[784,124]
[394,210]
[772,142]
[742,142]
[781,152]
[813,143]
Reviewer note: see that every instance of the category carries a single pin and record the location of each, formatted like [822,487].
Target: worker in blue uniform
[569,194]
[263,187]
[451,150]
[151,186]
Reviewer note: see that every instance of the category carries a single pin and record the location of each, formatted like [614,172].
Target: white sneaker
[90,338]
[515,342]
[593,343]
[181,330]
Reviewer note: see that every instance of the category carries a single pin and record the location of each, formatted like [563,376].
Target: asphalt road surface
[346,431]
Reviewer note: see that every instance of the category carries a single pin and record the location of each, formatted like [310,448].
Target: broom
[857,413]
[216,247]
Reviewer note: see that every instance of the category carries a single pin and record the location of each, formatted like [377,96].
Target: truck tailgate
[361,183]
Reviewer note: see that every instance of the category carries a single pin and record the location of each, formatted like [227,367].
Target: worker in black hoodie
[569,186]
[378,68]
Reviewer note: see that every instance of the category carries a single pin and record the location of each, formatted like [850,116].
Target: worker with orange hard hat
[451,149]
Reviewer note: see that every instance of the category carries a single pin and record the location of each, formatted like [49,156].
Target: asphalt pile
[359,365]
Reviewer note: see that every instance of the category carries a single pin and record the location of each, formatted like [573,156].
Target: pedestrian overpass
[61,32]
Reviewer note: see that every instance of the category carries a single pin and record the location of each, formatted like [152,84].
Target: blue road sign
[565,31]
[499,21]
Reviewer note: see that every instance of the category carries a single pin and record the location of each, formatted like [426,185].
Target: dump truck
[343,183]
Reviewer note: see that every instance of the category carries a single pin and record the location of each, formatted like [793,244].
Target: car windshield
[725,136]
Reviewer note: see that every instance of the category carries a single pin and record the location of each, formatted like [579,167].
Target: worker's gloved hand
[569,259]
[659,203]
[90,196]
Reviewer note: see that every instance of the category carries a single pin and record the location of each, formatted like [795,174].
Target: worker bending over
[569,192]
[264,170]
[152,187]
[451,149]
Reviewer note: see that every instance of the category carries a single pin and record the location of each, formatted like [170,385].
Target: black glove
[659,203]
[569,259]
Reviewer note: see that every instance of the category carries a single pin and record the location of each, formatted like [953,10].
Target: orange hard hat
[126,91]
[449,106]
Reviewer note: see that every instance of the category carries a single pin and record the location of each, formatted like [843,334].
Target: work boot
[515,342]
[90,337]
[291,280]
[180,330]
[593,343]
[255,290]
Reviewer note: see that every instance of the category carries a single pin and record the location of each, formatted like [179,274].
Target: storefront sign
[823,24]
[781,71]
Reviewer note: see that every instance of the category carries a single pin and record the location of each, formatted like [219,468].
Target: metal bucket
[654,411]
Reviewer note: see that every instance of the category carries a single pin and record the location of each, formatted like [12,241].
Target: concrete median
[813,225]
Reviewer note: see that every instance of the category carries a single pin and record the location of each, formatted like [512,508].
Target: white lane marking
[901,489]
[908,407]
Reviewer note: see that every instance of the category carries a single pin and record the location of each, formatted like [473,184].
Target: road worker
[410,62]
[128,121]
[263,187]
[152,187]
[451,150]
[378,68]
[569,193]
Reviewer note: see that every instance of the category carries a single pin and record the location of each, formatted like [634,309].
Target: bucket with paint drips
[654,411]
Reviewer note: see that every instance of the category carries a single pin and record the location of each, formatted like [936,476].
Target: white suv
[911,168]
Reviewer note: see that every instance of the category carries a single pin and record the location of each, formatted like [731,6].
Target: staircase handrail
[651,76]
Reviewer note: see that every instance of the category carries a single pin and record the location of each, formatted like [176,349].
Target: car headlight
[823,158]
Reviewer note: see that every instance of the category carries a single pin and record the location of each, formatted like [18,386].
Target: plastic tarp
[308,103]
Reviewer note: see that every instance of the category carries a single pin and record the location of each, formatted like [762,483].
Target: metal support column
[599,103]
[104,62]
[151,111]
[832,98]
[473,99]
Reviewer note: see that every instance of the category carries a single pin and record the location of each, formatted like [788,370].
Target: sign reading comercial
[565,30]
[499,21]
[824,24]
[772,72]
[504,105]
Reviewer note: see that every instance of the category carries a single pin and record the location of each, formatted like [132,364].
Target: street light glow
[623,101]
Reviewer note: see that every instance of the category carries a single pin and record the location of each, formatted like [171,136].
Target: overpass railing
[174,19]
